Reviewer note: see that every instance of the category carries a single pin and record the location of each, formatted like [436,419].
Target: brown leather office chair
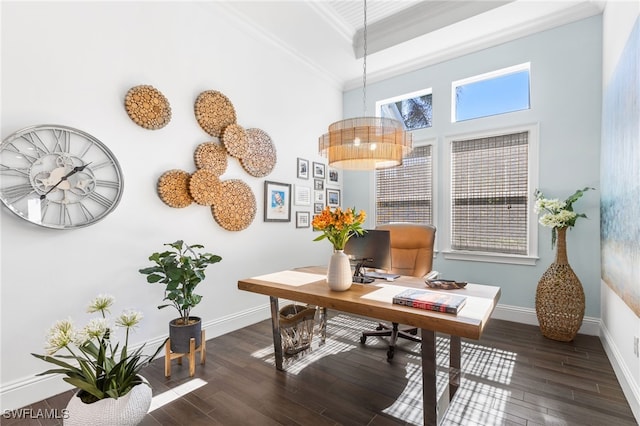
[411,254]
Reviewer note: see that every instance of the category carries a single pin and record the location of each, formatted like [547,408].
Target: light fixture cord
[364,64]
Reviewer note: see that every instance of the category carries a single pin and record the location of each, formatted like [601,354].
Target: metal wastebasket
[296,327]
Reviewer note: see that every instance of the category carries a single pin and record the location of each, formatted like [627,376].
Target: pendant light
[365,143]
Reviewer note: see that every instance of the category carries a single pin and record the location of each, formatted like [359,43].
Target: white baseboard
[590,326]
[29,390]
[21,393]
[630,388]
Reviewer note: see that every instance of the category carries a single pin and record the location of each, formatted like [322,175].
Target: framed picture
[318,207]
[318,184]
[333,197]
[277,202]
[318,170]
[303,168]
[303,219]
[319,197]
[302,195]
[333,176]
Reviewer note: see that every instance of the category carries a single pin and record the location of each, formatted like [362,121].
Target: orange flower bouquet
[339,225]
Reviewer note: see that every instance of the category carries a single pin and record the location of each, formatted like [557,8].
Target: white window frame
[532,223]
[487,76]
[417,93]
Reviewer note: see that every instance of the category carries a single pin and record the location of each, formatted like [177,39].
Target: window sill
[511,259]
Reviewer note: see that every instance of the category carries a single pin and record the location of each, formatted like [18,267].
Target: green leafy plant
[103,370]
[180,269]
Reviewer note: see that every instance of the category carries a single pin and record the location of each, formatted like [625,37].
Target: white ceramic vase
[339,273]
[128,410]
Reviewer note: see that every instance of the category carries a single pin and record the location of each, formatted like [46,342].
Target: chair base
[393,333]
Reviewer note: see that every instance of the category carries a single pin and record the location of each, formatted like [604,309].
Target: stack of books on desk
[430,300]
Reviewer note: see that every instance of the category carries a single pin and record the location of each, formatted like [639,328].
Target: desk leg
[277,338]
[455,352]
[429,382]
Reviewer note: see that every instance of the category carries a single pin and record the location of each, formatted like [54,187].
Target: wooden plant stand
[169,356]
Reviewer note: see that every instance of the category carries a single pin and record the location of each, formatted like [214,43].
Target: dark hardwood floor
[512,376]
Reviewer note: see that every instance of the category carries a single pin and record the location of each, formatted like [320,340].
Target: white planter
[128,410]
[339,275]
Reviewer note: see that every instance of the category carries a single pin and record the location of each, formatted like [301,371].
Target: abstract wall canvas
[620,176]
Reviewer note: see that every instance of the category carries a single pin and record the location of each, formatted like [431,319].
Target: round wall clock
[58,177]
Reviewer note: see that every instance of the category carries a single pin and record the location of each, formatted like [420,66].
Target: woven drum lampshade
[365,143]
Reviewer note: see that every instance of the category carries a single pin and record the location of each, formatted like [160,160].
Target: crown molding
[253,27]
[430,56]
[417,20]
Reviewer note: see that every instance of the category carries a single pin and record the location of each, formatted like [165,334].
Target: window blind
[405,193]
[489,194]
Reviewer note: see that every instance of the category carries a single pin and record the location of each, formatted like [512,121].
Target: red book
[431,300]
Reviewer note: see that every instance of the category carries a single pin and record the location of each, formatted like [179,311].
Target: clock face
[58,177]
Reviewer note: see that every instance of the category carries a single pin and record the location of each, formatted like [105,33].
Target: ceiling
[392,22]
[402,35]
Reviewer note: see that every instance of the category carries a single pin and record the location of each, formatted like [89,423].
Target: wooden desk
[308,285]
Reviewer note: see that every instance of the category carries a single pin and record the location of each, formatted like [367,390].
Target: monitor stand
[363,280]
[359,277]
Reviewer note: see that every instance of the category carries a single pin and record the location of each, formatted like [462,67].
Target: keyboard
[381,275]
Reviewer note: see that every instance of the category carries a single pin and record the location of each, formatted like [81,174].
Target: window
[489,194]
[405,193]
[497,92]
[414,110]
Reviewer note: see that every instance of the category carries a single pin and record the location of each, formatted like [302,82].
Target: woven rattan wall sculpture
[260,158]
[147,107]
[232,202]
[173,188]
[214,112]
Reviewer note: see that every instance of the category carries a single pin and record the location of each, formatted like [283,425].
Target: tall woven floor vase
[560,296]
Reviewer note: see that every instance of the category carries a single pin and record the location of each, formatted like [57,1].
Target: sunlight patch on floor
[175,393]
[488,363]
[480,400]
[345,336]
[296,363]
[476,402]
[479,404]
[408,405]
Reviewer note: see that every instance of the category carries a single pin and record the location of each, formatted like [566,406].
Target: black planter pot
[180,335]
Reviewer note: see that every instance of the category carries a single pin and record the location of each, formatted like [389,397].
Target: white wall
[72,64]
[619,323]
[565,67]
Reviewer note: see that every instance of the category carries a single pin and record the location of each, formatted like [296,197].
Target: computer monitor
[372,249]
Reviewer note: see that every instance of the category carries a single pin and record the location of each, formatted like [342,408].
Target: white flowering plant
[557,214]
[103,369]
